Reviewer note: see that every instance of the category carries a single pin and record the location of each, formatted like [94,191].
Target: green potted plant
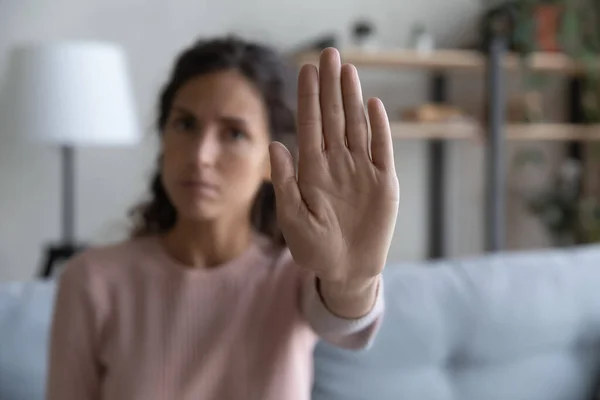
[568,217]
[571,27]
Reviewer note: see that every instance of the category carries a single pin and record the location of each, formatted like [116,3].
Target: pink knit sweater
[130,323]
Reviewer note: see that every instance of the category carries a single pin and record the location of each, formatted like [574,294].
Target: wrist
[348,288]
[349,300]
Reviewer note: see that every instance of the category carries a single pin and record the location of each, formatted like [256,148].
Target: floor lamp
[69,94]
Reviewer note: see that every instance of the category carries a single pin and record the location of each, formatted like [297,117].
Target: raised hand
[338,212]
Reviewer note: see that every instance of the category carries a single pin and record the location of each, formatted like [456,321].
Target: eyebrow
[183,110]
[224,119]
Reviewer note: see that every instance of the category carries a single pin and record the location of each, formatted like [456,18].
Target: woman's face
[215,147]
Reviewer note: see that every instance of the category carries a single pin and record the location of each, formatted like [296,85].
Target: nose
[207,148]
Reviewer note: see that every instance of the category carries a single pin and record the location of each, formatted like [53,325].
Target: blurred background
[110,180]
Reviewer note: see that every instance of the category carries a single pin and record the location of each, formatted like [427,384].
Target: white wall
[109,181]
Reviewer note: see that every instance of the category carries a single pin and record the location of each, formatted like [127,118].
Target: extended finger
[332,104]
[283,177]
[382,150]
[356,121]
[310,136]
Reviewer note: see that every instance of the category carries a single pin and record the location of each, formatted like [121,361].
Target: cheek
[172,143]
[168,163]
[173,156]
[243,173]
[176,150]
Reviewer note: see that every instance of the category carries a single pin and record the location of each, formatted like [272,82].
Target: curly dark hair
[271,76]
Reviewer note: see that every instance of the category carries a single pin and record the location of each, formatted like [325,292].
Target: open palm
[338,212]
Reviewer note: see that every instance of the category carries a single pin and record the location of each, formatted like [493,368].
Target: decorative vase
[421,40]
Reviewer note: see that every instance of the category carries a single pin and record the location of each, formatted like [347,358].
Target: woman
[206,301]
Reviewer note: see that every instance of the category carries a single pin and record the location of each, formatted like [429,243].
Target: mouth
[201,188]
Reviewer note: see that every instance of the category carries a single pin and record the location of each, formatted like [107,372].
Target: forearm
[349,301]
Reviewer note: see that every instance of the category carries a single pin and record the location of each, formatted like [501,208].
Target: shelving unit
[448,60]
[429,131]
[558,132]
[494,65]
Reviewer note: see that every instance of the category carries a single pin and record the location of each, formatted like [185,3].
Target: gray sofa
[508,327]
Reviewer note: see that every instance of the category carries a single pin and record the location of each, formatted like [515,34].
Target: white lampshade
[71,94]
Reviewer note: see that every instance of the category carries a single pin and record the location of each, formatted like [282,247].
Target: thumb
[283,176]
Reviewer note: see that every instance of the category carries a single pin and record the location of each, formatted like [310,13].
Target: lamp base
[56,254]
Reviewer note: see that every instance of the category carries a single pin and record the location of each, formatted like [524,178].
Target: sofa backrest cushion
[25,313]
[520,326]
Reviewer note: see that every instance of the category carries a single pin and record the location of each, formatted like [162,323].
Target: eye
[236,134]
[184,124]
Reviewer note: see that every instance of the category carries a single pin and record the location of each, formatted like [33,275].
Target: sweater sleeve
[74,371]
[350,334]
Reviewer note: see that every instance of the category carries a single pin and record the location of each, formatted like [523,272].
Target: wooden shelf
[553,132]
[516,132]
[448,60]
[444,131]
